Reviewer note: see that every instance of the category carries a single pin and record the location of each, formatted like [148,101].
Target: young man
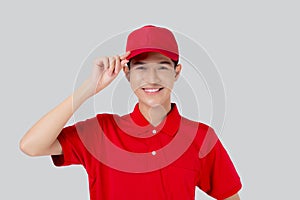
[151,153]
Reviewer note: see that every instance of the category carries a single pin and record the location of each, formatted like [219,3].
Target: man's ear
[127,73]
[177,71]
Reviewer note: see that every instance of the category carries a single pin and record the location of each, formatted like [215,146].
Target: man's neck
[154,115]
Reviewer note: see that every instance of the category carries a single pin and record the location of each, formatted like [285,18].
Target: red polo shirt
[131,159]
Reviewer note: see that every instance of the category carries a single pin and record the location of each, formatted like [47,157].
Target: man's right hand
[105,70]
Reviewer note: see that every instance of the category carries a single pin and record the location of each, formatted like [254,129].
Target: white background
[255,45]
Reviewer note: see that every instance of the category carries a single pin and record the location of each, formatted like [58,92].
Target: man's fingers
[118,65]
[105,63]
[122,57]
[112,64]
[124,62]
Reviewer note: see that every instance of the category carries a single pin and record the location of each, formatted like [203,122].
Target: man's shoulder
[204,134]
[193,123]
[97,119]
[106,116]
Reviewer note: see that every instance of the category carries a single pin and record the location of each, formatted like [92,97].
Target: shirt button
[154,131]
[153,153]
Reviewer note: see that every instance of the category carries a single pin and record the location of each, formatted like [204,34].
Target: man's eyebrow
[165,62]
[138,63]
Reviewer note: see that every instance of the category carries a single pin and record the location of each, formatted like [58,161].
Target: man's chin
[153,104]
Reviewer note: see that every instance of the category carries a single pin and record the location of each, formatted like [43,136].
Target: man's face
[152,76]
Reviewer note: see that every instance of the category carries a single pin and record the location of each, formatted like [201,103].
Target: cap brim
[171,55]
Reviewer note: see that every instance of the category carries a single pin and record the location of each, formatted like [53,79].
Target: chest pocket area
[179,181]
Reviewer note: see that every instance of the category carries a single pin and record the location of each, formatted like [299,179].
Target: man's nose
[152,76]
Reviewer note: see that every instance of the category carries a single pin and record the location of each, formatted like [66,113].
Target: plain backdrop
[254,44]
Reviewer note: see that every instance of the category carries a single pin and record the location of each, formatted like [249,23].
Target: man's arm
[233,197]
[41,138]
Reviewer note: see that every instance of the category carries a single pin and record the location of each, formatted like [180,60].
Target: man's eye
[140,68]
[163,67]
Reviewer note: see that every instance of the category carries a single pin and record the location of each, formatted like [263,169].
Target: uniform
[210,169]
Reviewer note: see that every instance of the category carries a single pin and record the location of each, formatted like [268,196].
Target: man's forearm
[234,197]
[42,135]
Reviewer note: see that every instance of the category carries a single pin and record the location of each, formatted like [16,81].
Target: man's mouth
[152,90]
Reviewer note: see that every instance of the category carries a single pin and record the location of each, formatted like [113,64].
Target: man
[151,153]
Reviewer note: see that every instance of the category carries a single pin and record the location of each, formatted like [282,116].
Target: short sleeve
[218,176]
[72,147]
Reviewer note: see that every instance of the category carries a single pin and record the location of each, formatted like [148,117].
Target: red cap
[152,39]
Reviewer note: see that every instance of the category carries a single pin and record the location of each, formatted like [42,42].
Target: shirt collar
[169,125]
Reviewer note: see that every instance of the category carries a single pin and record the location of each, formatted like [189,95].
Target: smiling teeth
[152,90]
